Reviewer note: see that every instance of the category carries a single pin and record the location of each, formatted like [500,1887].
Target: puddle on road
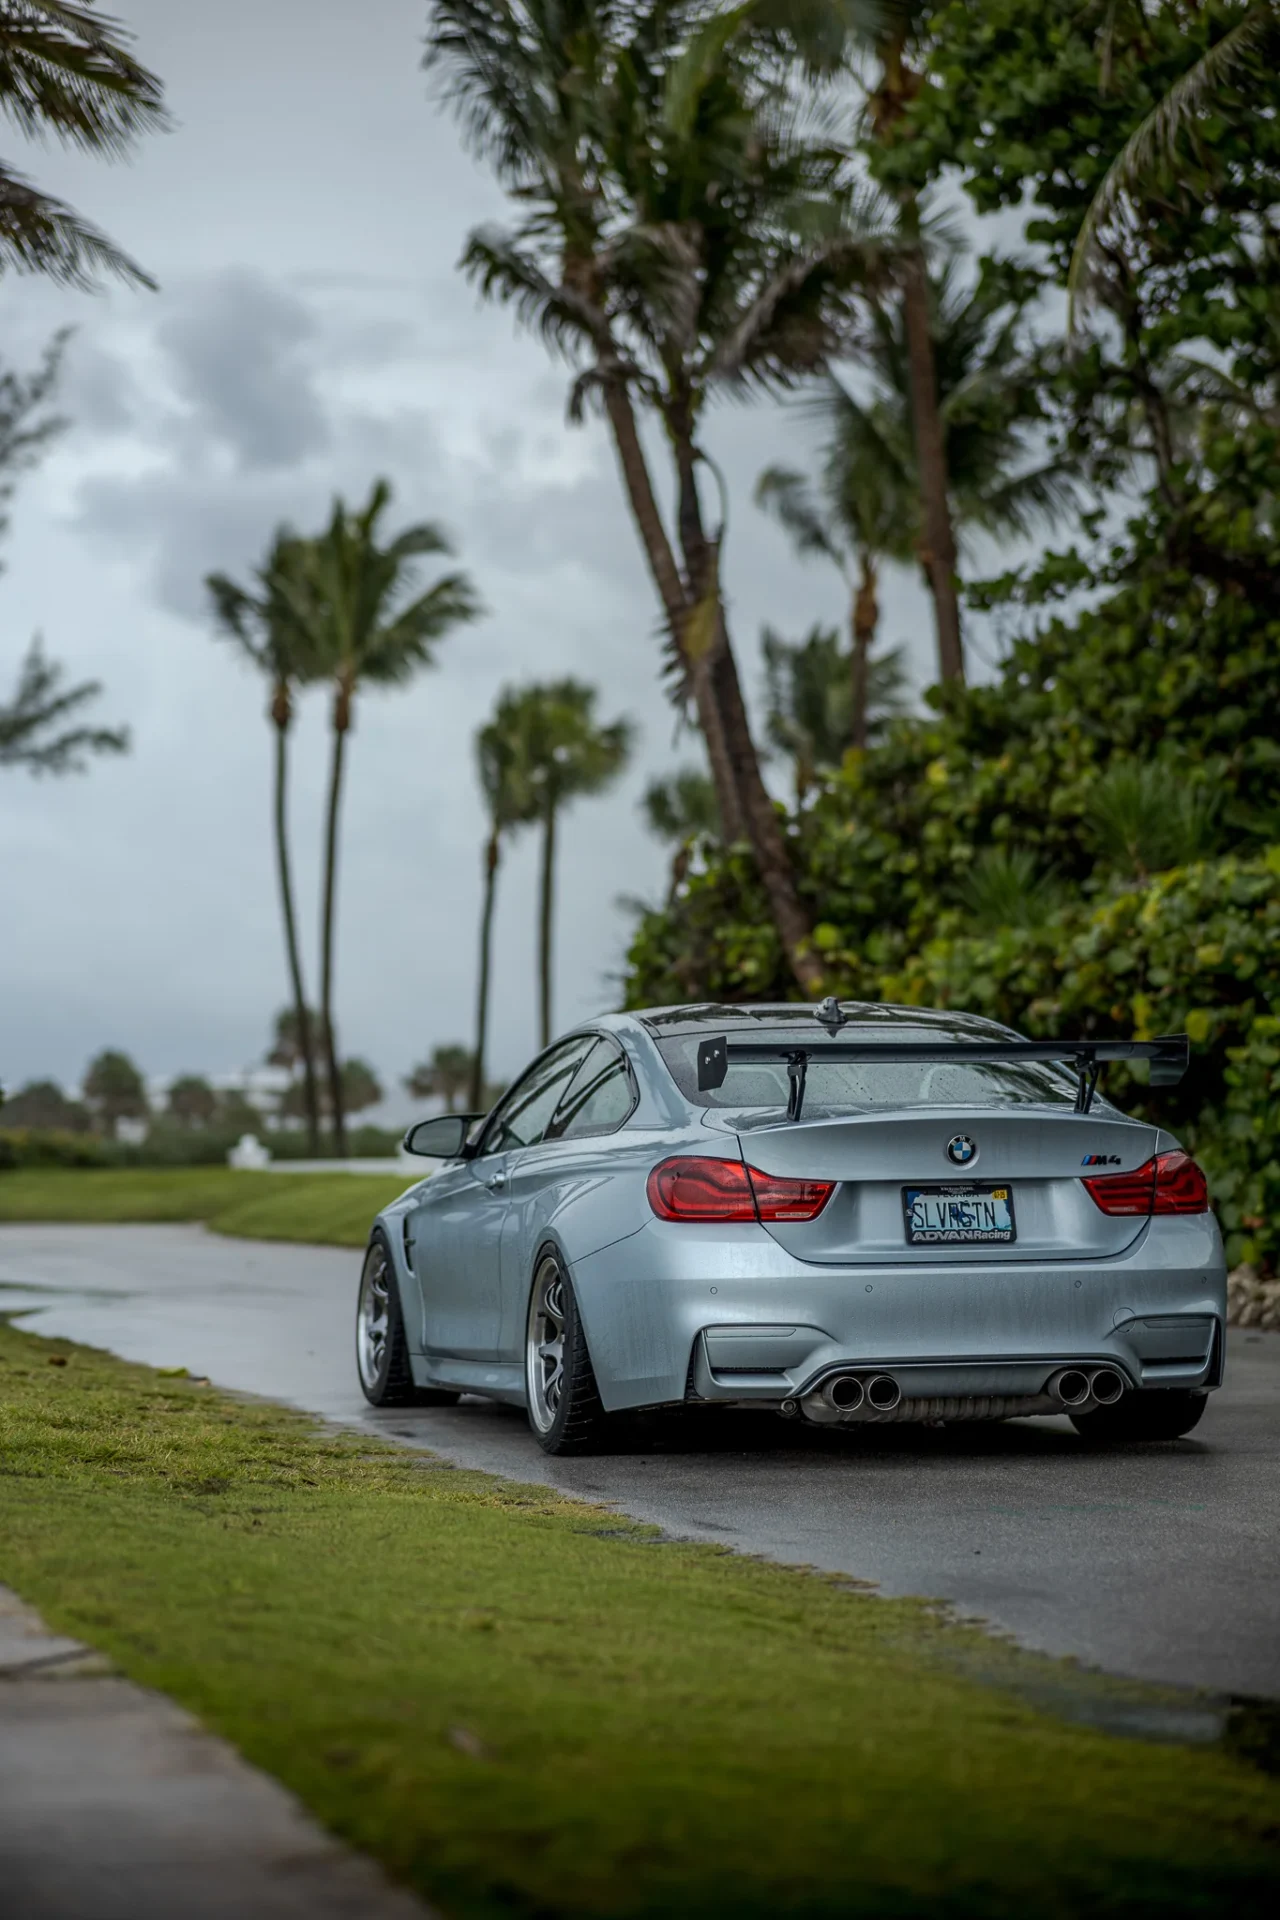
[1245,1727]
[25,1297]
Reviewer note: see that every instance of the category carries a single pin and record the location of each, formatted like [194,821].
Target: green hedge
[1242,1149]
[1195,950]
[167,1146]
[50,1147]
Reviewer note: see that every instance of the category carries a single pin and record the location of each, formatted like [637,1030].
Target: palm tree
[988,409]
[893,31]
[448,1075]
[365,623]
[510,802]
[681,808]
[809,695]
[565,754]
[67,71]
[858,515]
[261,622]
[867,505]
[892,35]
[683,239]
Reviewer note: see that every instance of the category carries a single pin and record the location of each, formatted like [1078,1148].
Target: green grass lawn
[334,1209]
[527,1707]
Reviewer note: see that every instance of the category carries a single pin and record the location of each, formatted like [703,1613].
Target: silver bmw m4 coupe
[841,1213]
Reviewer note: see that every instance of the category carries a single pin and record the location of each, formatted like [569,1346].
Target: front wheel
[563,1401]
[1159,1413]
[382,1352]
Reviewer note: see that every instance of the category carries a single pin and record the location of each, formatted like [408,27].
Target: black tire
[1159,1413]
[573,1420]
[382,1351]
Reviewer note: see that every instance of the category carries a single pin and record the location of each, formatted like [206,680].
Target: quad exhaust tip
[1073,1386]
[1106,1385]
[847,1392]
[1070,1387]
[883,1392]
[844,1393]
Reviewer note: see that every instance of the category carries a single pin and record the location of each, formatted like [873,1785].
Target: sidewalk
[115,1805]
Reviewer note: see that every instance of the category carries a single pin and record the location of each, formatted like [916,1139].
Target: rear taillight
[689,1188]
[1180,1185]
[778,1199]
[1171,1183]
[692,1188]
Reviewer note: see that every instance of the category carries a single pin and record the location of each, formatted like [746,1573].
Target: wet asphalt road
[1162,1562]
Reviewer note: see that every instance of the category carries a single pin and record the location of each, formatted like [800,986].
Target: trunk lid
[1039,1154]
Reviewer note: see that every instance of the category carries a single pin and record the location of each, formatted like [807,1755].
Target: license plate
[958,1215]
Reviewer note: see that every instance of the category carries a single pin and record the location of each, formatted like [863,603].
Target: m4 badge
[1101,1160]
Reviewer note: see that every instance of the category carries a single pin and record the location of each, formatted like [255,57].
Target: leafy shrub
[1194,950]
[50,1147]
[1240,1148]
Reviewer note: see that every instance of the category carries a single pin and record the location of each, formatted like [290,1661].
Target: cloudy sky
[303,219]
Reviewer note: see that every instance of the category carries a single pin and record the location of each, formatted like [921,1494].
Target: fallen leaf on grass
[469,1743]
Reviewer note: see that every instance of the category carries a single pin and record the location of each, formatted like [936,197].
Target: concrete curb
[116,1805]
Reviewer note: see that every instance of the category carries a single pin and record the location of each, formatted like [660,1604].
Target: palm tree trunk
[482,992]
[341,723]
[676,602]
[546,904]
[720,668]
[281,716]
[898,86]
[764,830]
[863,624]
[938,554]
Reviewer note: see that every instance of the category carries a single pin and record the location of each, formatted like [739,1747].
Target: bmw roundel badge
[961,1150]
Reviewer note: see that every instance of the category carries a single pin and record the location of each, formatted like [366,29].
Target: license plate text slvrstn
[958,1215]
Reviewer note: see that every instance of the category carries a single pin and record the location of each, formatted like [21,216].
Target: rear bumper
[670,1312]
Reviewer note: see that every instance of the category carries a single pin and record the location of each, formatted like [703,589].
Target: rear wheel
[1160,1413]
[563,1402]
[382,1352]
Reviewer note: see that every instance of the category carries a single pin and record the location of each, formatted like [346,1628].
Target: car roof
[868,1017]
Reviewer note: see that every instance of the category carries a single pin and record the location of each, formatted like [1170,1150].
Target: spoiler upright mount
[1168,1057]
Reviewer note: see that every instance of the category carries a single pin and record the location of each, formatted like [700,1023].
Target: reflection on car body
[768,1207]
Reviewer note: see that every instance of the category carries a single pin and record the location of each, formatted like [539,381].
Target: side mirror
[442,1138]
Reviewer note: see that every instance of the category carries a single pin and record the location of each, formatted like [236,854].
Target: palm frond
[1006,887]
[681,806]
[25,430]
[789,499]
[697,66]
[39,234]
[787,328]
[30,723]
[1023,501]
[1152,146]
[408,642]
[503,270]
[66,70]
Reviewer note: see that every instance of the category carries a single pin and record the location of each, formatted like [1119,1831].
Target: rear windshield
[856,1086]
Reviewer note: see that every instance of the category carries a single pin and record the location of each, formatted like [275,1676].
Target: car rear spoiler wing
[1168,1057]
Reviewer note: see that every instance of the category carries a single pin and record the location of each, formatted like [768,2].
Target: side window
[521,1116]
[600,1097]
